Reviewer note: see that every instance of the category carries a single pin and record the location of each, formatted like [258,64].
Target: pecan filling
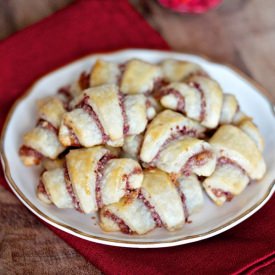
[26,151]
[152,210]
[126,125]
[197,160]
[89,110]
[99,174]
[124,228]
[197,86]
[42,123]
[69,187]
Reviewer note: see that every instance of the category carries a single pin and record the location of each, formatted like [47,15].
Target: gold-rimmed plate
[212,220]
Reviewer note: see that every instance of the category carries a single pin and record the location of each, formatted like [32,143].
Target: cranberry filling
[84,81]
[30,152]
[42,123]
[198,159]
[197,86]
[99,174]
[158,84]
[65,92]
[89,110]
[69,187]
[152,210]
[124,228]
[126,126]
[177,95]
[122,68]
[224,161]
[74,141]
[220,193]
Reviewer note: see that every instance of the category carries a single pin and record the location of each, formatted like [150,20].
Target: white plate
[211,221]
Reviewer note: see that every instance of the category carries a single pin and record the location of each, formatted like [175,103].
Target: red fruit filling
[26,151]
[152,210]
[197,86]
[126,126]
[99,174]
[89,110]
[84,81]
[177,95]
[124,228]
[70,190]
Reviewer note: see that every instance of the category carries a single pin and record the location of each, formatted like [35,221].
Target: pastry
[139,77]
[200,98]
[177,71]
[191,193]
[42,141]
[149,140]
[132,145]
[239,161]
[104,72]
[158,204]
[90,179]
[102,115]
[249,128]
[229,109]
[133,77]
[186,155]
[164,128]
[81,83]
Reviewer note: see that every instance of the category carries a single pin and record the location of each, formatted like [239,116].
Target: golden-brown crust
[51,109]
[104,72]
[139,77]
[165,125]
[233,143]
[175,70]
[160,191]
[212,97]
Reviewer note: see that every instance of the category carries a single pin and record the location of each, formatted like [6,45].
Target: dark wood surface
[239,32]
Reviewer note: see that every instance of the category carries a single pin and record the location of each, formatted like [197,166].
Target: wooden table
[240,32]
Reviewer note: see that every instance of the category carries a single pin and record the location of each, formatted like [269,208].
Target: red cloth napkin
[93,26]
